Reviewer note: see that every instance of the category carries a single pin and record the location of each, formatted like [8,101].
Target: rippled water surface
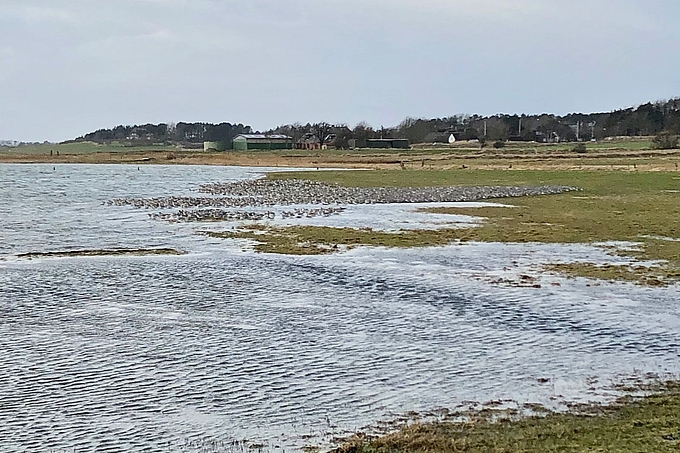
[189,353]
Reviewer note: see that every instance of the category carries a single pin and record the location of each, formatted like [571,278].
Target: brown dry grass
[629,160]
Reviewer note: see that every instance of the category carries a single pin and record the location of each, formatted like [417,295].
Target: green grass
[618,144]
[636,144]
[644,275]
[598,181]
[315,240]
[650,424]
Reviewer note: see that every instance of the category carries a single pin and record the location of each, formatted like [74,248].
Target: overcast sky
[68,67]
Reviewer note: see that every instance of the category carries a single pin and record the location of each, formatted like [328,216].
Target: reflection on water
[188,353]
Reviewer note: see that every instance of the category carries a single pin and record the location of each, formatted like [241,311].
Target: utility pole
[520,128]
[485,135]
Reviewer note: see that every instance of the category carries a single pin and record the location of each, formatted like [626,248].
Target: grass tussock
[651,424]
[654,276]
[315,240]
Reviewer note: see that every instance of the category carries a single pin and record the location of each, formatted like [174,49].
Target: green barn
[246,142]
[388,143]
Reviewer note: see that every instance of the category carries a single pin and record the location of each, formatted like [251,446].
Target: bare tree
[322,130]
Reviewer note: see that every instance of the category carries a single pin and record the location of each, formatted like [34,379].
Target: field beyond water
[615,153]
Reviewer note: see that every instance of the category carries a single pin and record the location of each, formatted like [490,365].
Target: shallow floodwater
[190,353]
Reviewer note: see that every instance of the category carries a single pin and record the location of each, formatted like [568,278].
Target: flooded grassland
[215,344]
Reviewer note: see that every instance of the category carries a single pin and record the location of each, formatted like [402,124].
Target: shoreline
[643,418]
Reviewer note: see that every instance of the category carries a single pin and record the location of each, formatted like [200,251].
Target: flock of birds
[226,201]
[221,215]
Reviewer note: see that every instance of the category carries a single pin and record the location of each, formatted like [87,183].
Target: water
[191,353]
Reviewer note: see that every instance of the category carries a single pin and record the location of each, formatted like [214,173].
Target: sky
[69,67]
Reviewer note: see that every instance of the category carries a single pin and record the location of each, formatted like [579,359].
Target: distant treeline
[644,120]
[179,133]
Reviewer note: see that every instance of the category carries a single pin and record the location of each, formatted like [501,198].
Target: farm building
[450,136]
[247,142]
[308,141]
[442,137]
[400,143]
[311,141]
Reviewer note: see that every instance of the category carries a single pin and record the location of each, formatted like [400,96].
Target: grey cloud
[34,14]
[71,66]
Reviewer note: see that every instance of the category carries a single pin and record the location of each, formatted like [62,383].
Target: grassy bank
[651,424]
[640,207]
